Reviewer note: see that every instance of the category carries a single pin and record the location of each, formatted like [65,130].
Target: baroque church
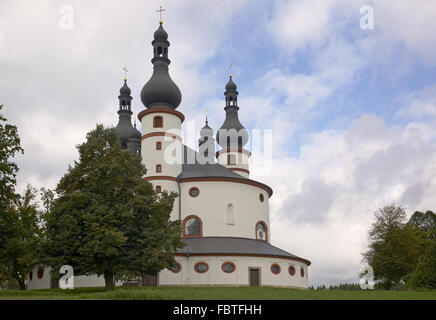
[224,213]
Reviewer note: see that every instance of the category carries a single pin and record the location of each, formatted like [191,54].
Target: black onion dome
[134,134]
[160,34]
[161,90]
[125,90]
[231,86]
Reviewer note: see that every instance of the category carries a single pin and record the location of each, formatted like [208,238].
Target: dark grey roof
[233,246]
[192,169]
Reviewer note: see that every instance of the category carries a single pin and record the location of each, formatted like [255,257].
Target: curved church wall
[215,276]
[226,208]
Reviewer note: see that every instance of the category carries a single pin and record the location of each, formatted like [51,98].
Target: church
[224,213]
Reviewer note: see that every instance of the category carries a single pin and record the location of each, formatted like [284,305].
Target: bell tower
[161,123]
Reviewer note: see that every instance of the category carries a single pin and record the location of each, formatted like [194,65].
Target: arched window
[192,227]
[230,217]
[159,51]
[30,275]
[158,122]
[40,273]
[261,231]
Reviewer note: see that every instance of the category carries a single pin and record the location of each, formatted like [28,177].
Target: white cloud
[325,198]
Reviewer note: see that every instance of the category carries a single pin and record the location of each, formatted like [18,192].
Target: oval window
[261,197]
[176,268]
[228,267]
[302,272]
[201,267]
[40,273]
[292,270]
[194,192]
[275,268]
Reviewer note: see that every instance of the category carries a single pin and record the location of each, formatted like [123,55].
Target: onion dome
[231,86]
[134,141]
[125,115]
[125,90]
[161,91]
[234,134]
[160,34]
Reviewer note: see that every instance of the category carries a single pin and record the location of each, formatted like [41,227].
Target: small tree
[104,210]
[393,246]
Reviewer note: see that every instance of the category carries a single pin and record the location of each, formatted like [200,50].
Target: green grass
[215,293]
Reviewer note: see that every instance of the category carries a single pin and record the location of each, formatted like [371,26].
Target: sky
[352,111]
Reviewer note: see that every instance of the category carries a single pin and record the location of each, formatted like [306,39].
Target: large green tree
[424,276]
[105,213]
[9,147]
[21,226]
[394,246]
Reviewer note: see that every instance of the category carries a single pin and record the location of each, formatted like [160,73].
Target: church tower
[161,123]
[129,136]
[232,136]
[206,144]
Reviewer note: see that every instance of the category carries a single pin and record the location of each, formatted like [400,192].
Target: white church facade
[224,213]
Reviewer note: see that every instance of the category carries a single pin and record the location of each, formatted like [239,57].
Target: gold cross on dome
[125,73]
[230,70]
[160,11]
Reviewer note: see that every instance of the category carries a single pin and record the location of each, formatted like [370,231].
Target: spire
[125,114]
[161,91]
[233,132]
[206,145]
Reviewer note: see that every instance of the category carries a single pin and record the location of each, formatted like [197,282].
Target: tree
[393,246]
[9,147]
[424,276]
[21,226]
[104,208]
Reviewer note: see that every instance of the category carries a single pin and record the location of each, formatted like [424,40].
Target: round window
[302,272]
[292,270]
[201,267]
[194,192]
[275,268]
[228,267]
[176,268]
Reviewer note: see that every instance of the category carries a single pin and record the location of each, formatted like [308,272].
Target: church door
[254,274]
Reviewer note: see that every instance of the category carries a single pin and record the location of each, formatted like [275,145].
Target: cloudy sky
[352,111]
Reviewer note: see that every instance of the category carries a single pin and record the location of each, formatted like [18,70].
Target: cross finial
[160,11]
[230,70]
[125,73]
[206,116]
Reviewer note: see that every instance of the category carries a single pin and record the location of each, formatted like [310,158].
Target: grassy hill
[215,293]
